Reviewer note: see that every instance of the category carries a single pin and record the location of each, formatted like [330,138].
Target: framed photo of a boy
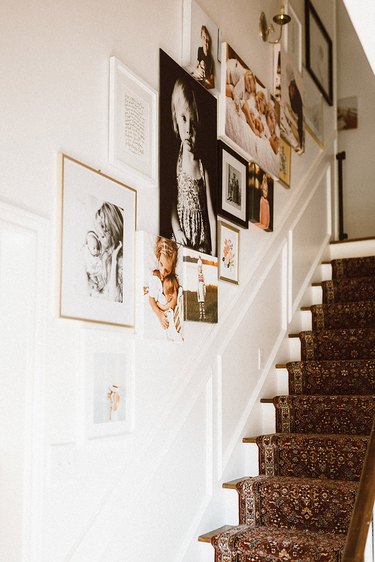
[97,246]
[232,185]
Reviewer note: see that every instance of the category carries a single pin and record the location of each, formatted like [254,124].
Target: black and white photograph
[232,185]
[97,261]
[188,161]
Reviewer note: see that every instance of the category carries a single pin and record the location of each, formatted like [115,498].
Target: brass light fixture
[281,19]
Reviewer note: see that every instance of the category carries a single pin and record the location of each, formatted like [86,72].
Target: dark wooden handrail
[340,156]
[363,507]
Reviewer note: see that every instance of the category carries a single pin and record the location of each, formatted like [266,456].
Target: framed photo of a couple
[188,159]
[249,113]
[97,246]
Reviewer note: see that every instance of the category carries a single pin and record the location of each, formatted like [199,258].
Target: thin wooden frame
[228,252]
[232,177]
[98,224]
[285,163]
[319,52]
[132,123]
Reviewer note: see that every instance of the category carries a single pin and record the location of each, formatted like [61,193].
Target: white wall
[146,495]
[356,78]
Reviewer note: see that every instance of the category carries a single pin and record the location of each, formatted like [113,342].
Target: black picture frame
[232,185]
[319,55]
[170,145]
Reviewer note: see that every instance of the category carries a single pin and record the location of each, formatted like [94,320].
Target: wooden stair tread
[266,400]
[231,485]
[293,335]
[208,536]
[280,366]
[249,440]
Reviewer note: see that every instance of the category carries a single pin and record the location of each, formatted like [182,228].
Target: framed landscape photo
[97,246]
[232,185]
[132,122]
[200,46]
[285,163]
[319,52]
[229,252]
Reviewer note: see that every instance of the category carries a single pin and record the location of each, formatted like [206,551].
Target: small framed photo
[292,38]
[232,185]
[313,110]
[229,252]
[285,163]
[347,113]
[200,46]
[318,52]
[110,384]
[132,123]
[201,291]
[97,246]
[261,187]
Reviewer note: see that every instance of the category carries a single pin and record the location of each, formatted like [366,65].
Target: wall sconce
[281,19]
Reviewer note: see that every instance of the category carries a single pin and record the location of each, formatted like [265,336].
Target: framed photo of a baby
[97,246]
[249,115]
[188,159]
[200,46]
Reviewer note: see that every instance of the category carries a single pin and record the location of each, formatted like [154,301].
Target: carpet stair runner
[299,507]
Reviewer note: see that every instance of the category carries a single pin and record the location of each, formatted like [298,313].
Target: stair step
[275,544]
[343,343]
[207,537]
[350,415]
[334,316]
[337,457]
[300,503]
[348,290]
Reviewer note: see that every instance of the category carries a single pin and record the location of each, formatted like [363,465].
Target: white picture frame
[110,384]
[313,109]
[292,38]
[96,285]
[195,20]
[228,252]
[132,123]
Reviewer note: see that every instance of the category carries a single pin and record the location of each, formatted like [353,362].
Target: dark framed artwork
[188,159]
[232,179]
[260,197]
[285,163]
[318,52]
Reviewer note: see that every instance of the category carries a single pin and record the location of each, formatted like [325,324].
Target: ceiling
[362,15]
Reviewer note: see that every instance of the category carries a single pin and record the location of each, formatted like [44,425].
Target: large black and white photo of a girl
[98,246]
[187,159]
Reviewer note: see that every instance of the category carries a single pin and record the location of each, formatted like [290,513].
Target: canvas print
[347,113]
[229,252]
[187,159]
[98,237]
[249,116]
[162,298]
[291,103]
[200,286]
[261,198]
[200,46]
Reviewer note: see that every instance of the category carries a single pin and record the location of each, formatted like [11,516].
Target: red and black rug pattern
[299,507]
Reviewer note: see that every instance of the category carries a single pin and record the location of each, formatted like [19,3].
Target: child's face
[261,104]
[271,121]
[165,265]
[187,128]
[93,245]
[205,42]
[250,82]
[168,288]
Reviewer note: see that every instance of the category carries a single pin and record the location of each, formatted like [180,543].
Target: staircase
[299,507]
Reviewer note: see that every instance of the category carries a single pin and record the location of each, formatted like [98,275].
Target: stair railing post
[340,156]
